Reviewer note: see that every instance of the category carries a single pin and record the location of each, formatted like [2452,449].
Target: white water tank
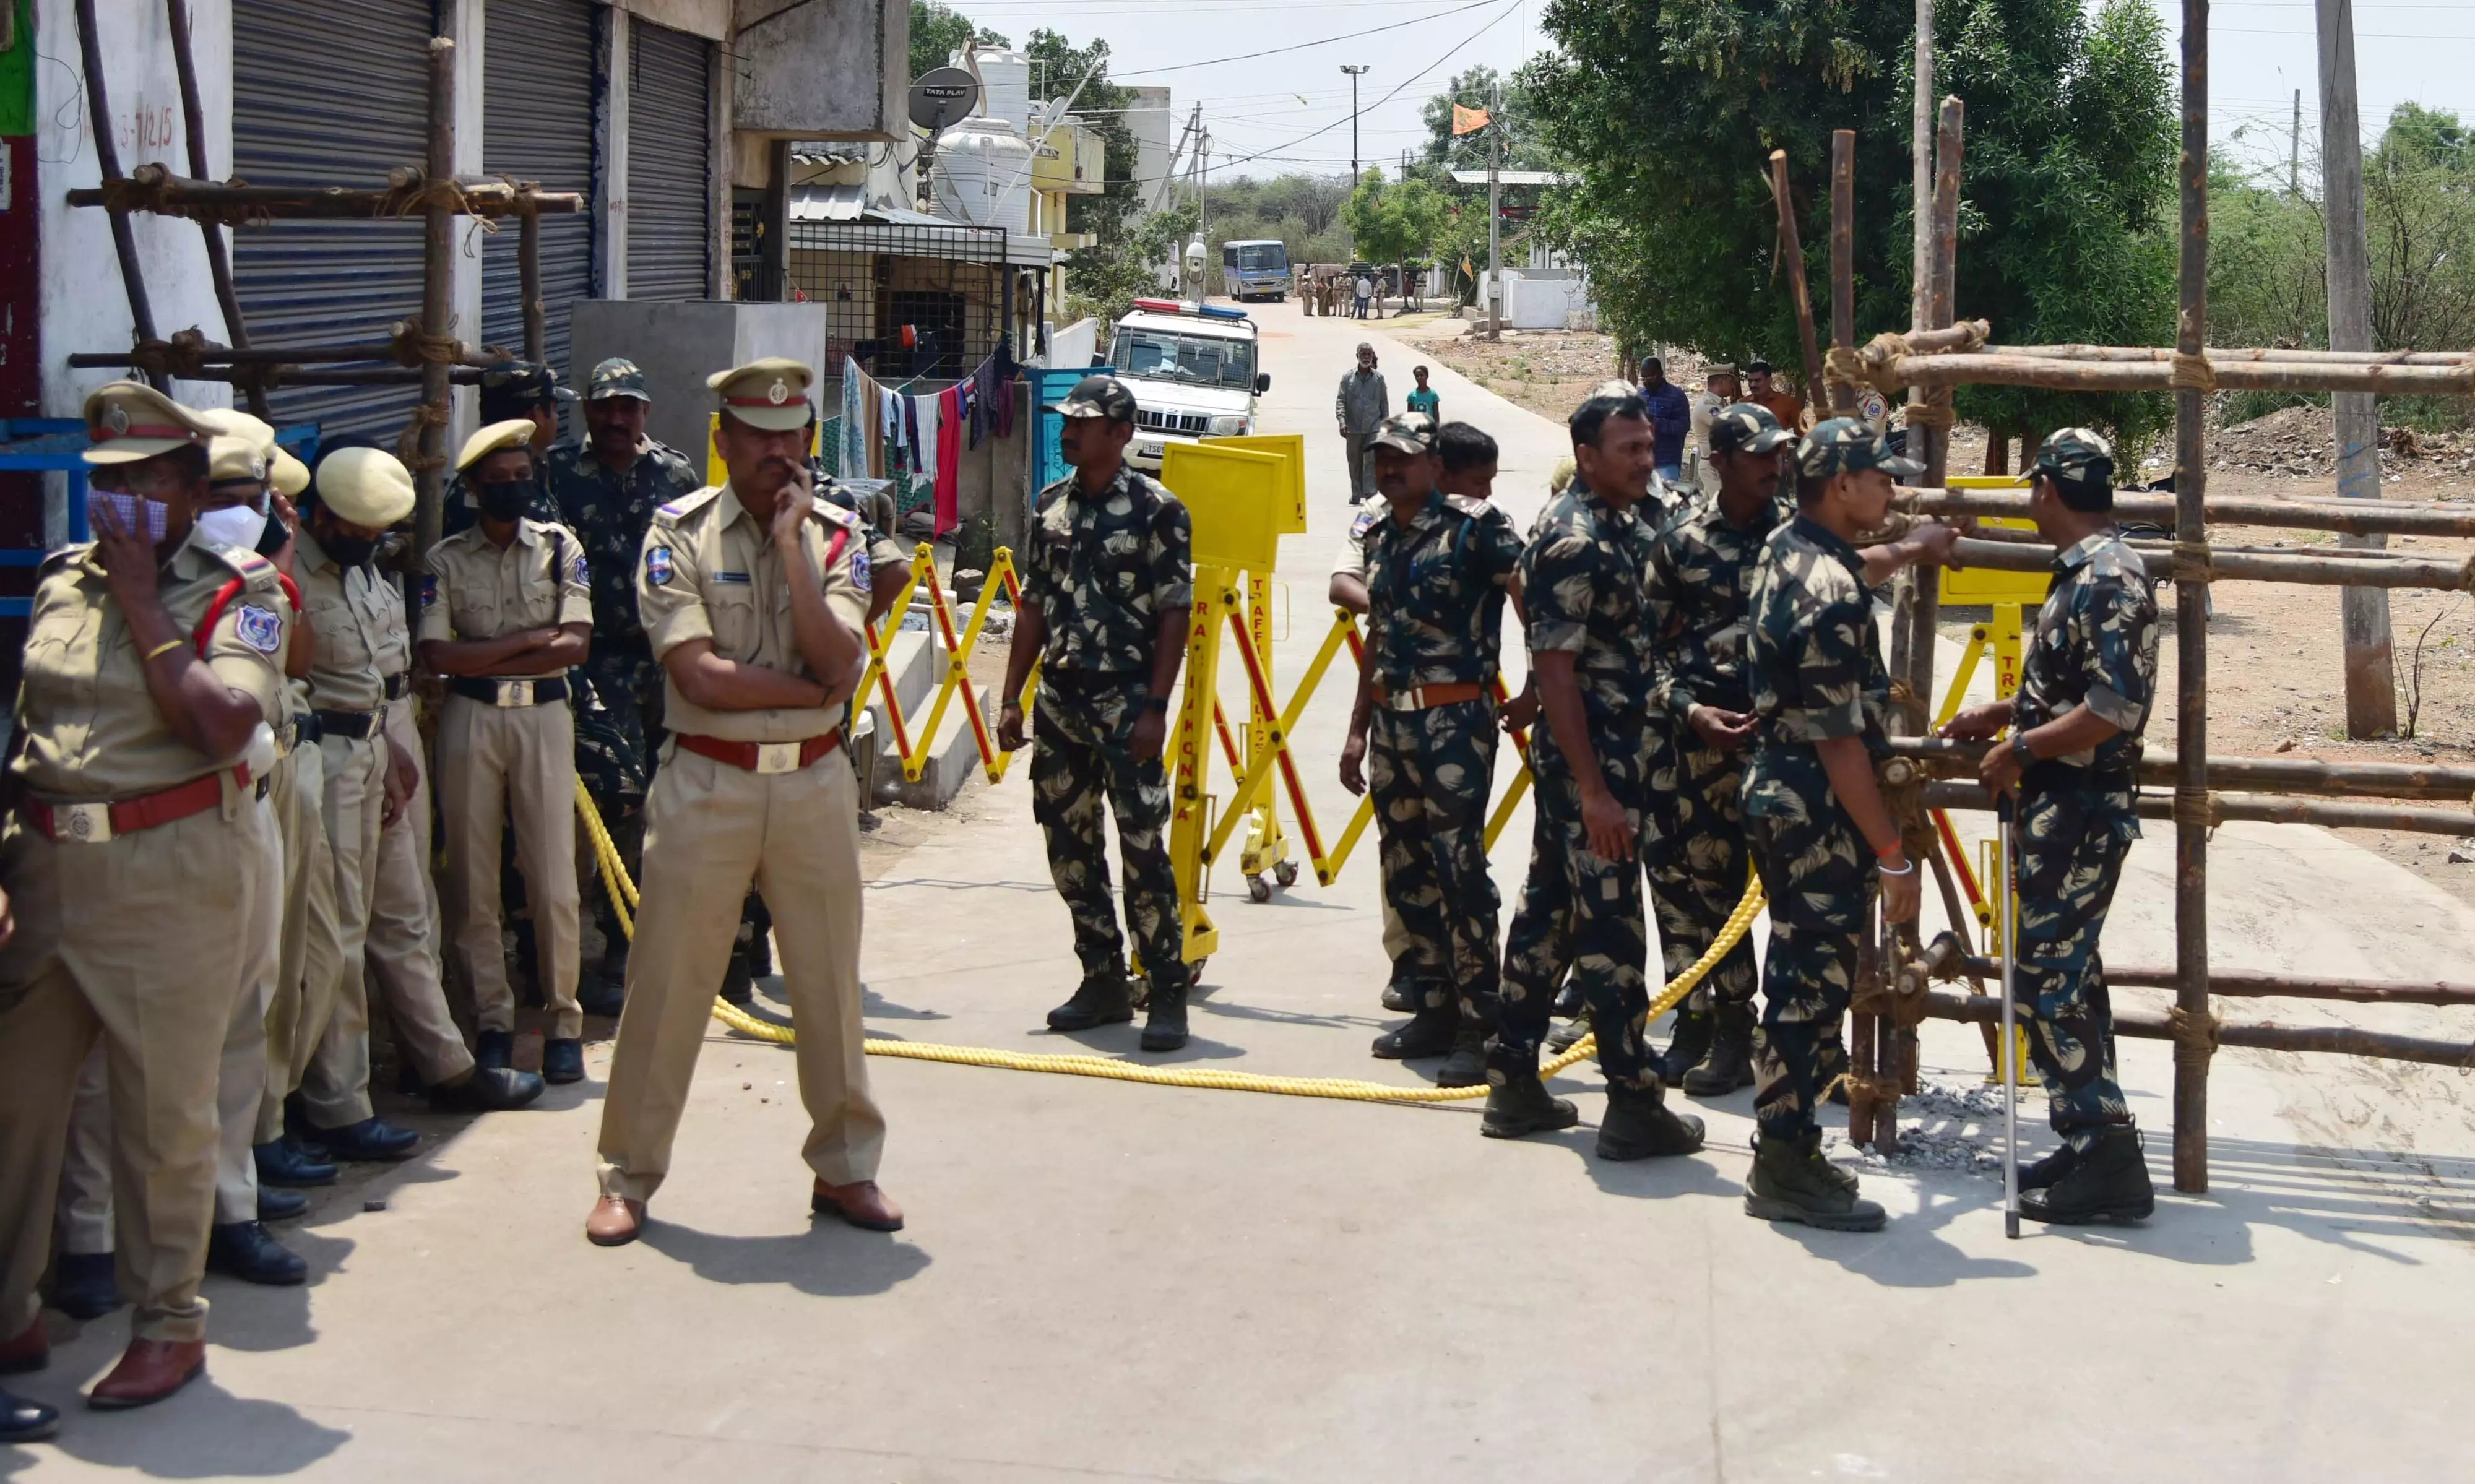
[980,161]
[1005,86]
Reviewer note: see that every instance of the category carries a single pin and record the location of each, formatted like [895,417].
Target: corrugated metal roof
[829,203]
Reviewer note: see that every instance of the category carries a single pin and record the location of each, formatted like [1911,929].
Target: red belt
[1427,697]
[761,757]
[97,822]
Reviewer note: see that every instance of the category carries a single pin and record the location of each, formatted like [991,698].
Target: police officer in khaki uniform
[358,493]
[753,596]
[135,857]
[507,611]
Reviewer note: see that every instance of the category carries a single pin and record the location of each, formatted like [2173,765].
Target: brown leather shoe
[615,1222]
[860,1202]
[28,1351]
[149,1371]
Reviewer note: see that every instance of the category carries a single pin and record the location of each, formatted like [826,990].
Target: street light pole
[1355,70]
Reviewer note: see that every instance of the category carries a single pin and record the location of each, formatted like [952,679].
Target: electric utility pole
[1355,70]
[1494,215]
[2294,152]
[2371,687]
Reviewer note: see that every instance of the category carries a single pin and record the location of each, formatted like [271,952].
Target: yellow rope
[614,872]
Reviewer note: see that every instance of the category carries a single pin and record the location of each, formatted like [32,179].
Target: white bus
[1252,269]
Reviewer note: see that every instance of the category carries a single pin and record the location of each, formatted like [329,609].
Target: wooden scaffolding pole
[1791,248]
[1843,267]
[218,261]
[107,155]
[437,307]
[2194,1042]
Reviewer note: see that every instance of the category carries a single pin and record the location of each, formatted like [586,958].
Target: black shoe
[1792,1181]
[409,1083]
[372,1139]
[1566,1036]
[1639,1126]
[288,1163]
[1430,1032]
[243,1250]
[1401,995]
[1164,1020]
[1524,1106]
[488,1089]
[2040,1174]
[1466,1066]
[22,1421]
[1102,999]
[562,1060]
[306,1137]
[2110,1182]
[494,1048]
[1729,1062]
[605,997]
[84,1284]
[737,984]
[277,1204]
[1691,1043]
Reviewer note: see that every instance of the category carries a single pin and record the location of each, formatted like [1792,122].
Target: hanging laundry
[926,410]
[850,453]
[949,459]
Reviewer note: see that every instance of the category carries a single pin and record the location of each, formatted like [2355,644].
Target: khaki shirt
[358,619]
[480,592]
[92,729]
[709,571]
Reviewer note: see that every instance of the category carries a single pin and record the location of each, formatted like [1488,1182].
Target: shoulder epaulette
[688,505]
[64,556]
[831,514]
[256,572]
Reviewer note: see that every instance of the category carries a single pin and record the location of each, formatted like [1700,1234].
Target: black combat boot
[1566,1036]
[1164,1018]
[738,982]
[1102,999]
[1402,994]
[1729,1063]
[2109,1183]
[1792,1181]
[1429,1032]
[1638,1126]
[1689,1045]
[2040,1174]
[1466,1065]
[1524,1106]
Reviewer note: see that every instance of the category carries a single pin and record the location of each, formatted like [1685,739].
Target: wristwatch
[1156,703]
[2020,749]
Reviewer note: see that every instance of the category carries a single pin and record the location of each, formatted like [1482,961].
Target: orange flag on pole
[1467,120]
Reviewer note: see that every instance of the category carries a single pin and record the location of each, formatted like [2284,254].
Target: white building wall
[1155,133]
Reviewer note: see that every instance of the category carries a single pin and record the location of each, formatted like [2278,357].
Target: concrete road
[1112,1282]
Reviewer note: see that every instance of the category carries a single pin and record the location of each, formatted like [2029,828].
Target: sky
[1289,112]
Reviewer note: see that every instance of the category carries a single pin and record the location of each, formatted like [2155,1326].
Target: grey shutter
[537,114]
[669,163]
[335,93]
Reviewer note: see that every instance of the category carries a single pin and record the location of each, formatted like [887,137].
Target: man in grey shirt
[1361,408]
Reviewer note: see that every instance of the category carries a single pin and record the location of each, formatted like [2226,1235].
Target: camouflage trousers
[1579,910]
[2072,840]
[1081,753]
[1698,867]
[617,732]
[1430,772]
[1819,876]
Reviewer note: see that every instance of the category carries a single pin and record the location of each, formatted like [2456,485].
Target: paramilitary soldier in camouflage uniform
[1814,814]
[1438,569]
[1701,572]
[1589,652]
[1108,588]
[2086,686]
[605,487]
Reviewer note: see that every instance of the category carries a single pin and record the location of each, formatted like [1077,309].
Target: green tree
[1669,111]
[938,33]
[1395,221]
[1515,119]
[1058,70]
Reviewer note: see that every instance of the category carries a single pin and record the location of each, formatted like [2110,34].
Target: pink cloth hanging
[949,458]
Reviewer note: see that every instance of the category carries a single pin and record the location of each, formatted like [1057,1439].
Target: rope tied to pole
[407,444]
[1844,367]
[2196,1036]
[2197,804]
[1926,414]
[2194,563]
[413,192]
[1883,351]
[181,357]
[2192,373]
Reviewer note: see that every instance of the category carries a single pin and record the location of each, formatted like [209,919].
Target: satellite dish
[942,96]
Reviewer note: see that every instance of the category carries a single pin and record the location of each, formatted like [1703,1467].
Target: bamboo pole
[2268,986]
[2218,356]
[153,188]
[107,156]
[218,259]
[2295,775]
[2191,621]
[2443,573]
[1792,249]
[437,299]
[2341,1041]
[1944,337]
[2394,517]
[2211,809]
[1986,368]
[1843,264]
[529,283]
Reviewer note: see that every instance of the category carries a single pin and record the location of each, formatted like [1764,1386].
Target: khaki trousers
[335,1084]
[161,1000]
[402,944]
[711,828]
[306,962]
[494,763]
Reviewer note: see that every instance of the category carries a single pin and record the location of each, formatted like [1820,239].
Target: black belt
[306,728]
[2053,775]
[355,724]
[1086,681]
[398,685]
[507,692]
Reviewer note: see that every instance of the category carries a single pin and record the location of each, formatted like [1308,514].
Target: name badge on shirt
[740,577]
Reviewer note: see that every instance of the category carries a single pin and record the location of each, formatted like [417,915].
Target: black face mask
[505,500]
[348,550]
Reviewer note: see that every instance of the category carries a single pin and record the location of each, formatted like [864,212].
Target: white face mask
[232,525]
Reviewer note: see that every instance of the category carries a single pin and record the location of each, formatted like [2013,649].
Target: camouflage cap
[1099,397]
[2077,456]
[513,389]
[1846,445]
[1747,426]
[1406,433]
[617,377]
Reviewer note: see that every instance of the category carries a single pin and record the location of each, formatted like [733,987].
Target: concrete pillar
[468,21]
[610,139]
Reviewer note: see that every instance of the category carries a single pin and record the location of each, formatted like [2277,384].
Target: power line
[1188,66]
[1448,56]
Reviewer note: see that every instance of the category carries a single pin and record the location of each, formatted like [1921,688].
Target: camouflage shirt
[1581,583]
[610,513]
[1103,567]
[2095,642]
[1814,663]
[1700,581]
[1435,590]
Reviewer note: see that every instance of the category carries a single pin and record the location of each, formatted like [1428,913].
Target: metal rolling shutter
[335,93]
[537,125]
[669,163]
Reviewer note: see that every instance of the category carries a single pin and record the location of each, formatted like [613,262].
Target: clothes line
[916,440]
